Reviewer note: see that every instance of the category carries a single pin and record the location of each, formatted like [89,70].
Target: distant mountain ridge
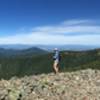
[23,52]
[50,47]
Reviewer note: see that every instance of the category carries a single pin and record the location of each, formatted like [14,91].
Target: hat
[55,49]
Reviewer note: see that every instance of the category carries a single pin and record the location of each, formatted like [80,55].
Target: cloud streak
[71,27]
[67,32]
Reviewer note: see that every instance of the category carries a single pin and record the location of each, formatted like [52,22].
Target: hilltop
[30,77]
[77,85]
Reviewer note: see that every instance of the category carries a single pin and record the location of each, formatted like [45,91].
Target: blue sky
[50,22]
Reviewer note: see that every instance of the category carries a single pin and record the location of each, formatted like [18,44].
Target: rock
[78,85]
[14,95]
[3,94]
[97,83]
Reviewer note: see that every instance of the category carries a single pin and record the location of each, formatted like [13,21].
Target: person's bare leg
[55,66]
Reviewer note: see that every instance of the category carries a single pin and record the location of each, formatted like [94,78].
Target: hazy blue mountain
[68,47]
[50,47]
[15,46]
[21,52]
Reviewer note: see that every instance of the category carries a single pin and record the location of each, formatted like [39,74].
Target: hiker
[56,59]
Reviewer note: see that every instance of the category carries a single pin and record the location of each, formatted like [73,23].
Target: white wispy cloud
[67,32]
[78,27]
[77,22]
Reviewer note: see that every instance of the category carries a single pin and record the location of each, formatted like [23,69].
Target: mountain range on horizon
[10,52]
[34,50]
[49,47]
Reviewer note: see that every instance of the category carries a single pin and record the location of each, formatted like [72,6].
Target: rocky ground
[78,85]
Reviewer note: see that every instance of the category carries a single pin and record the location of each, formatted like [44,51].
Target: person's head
[55,49]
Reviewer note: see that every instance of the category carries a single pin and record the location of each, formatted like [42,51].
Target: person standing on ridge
[56,59]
